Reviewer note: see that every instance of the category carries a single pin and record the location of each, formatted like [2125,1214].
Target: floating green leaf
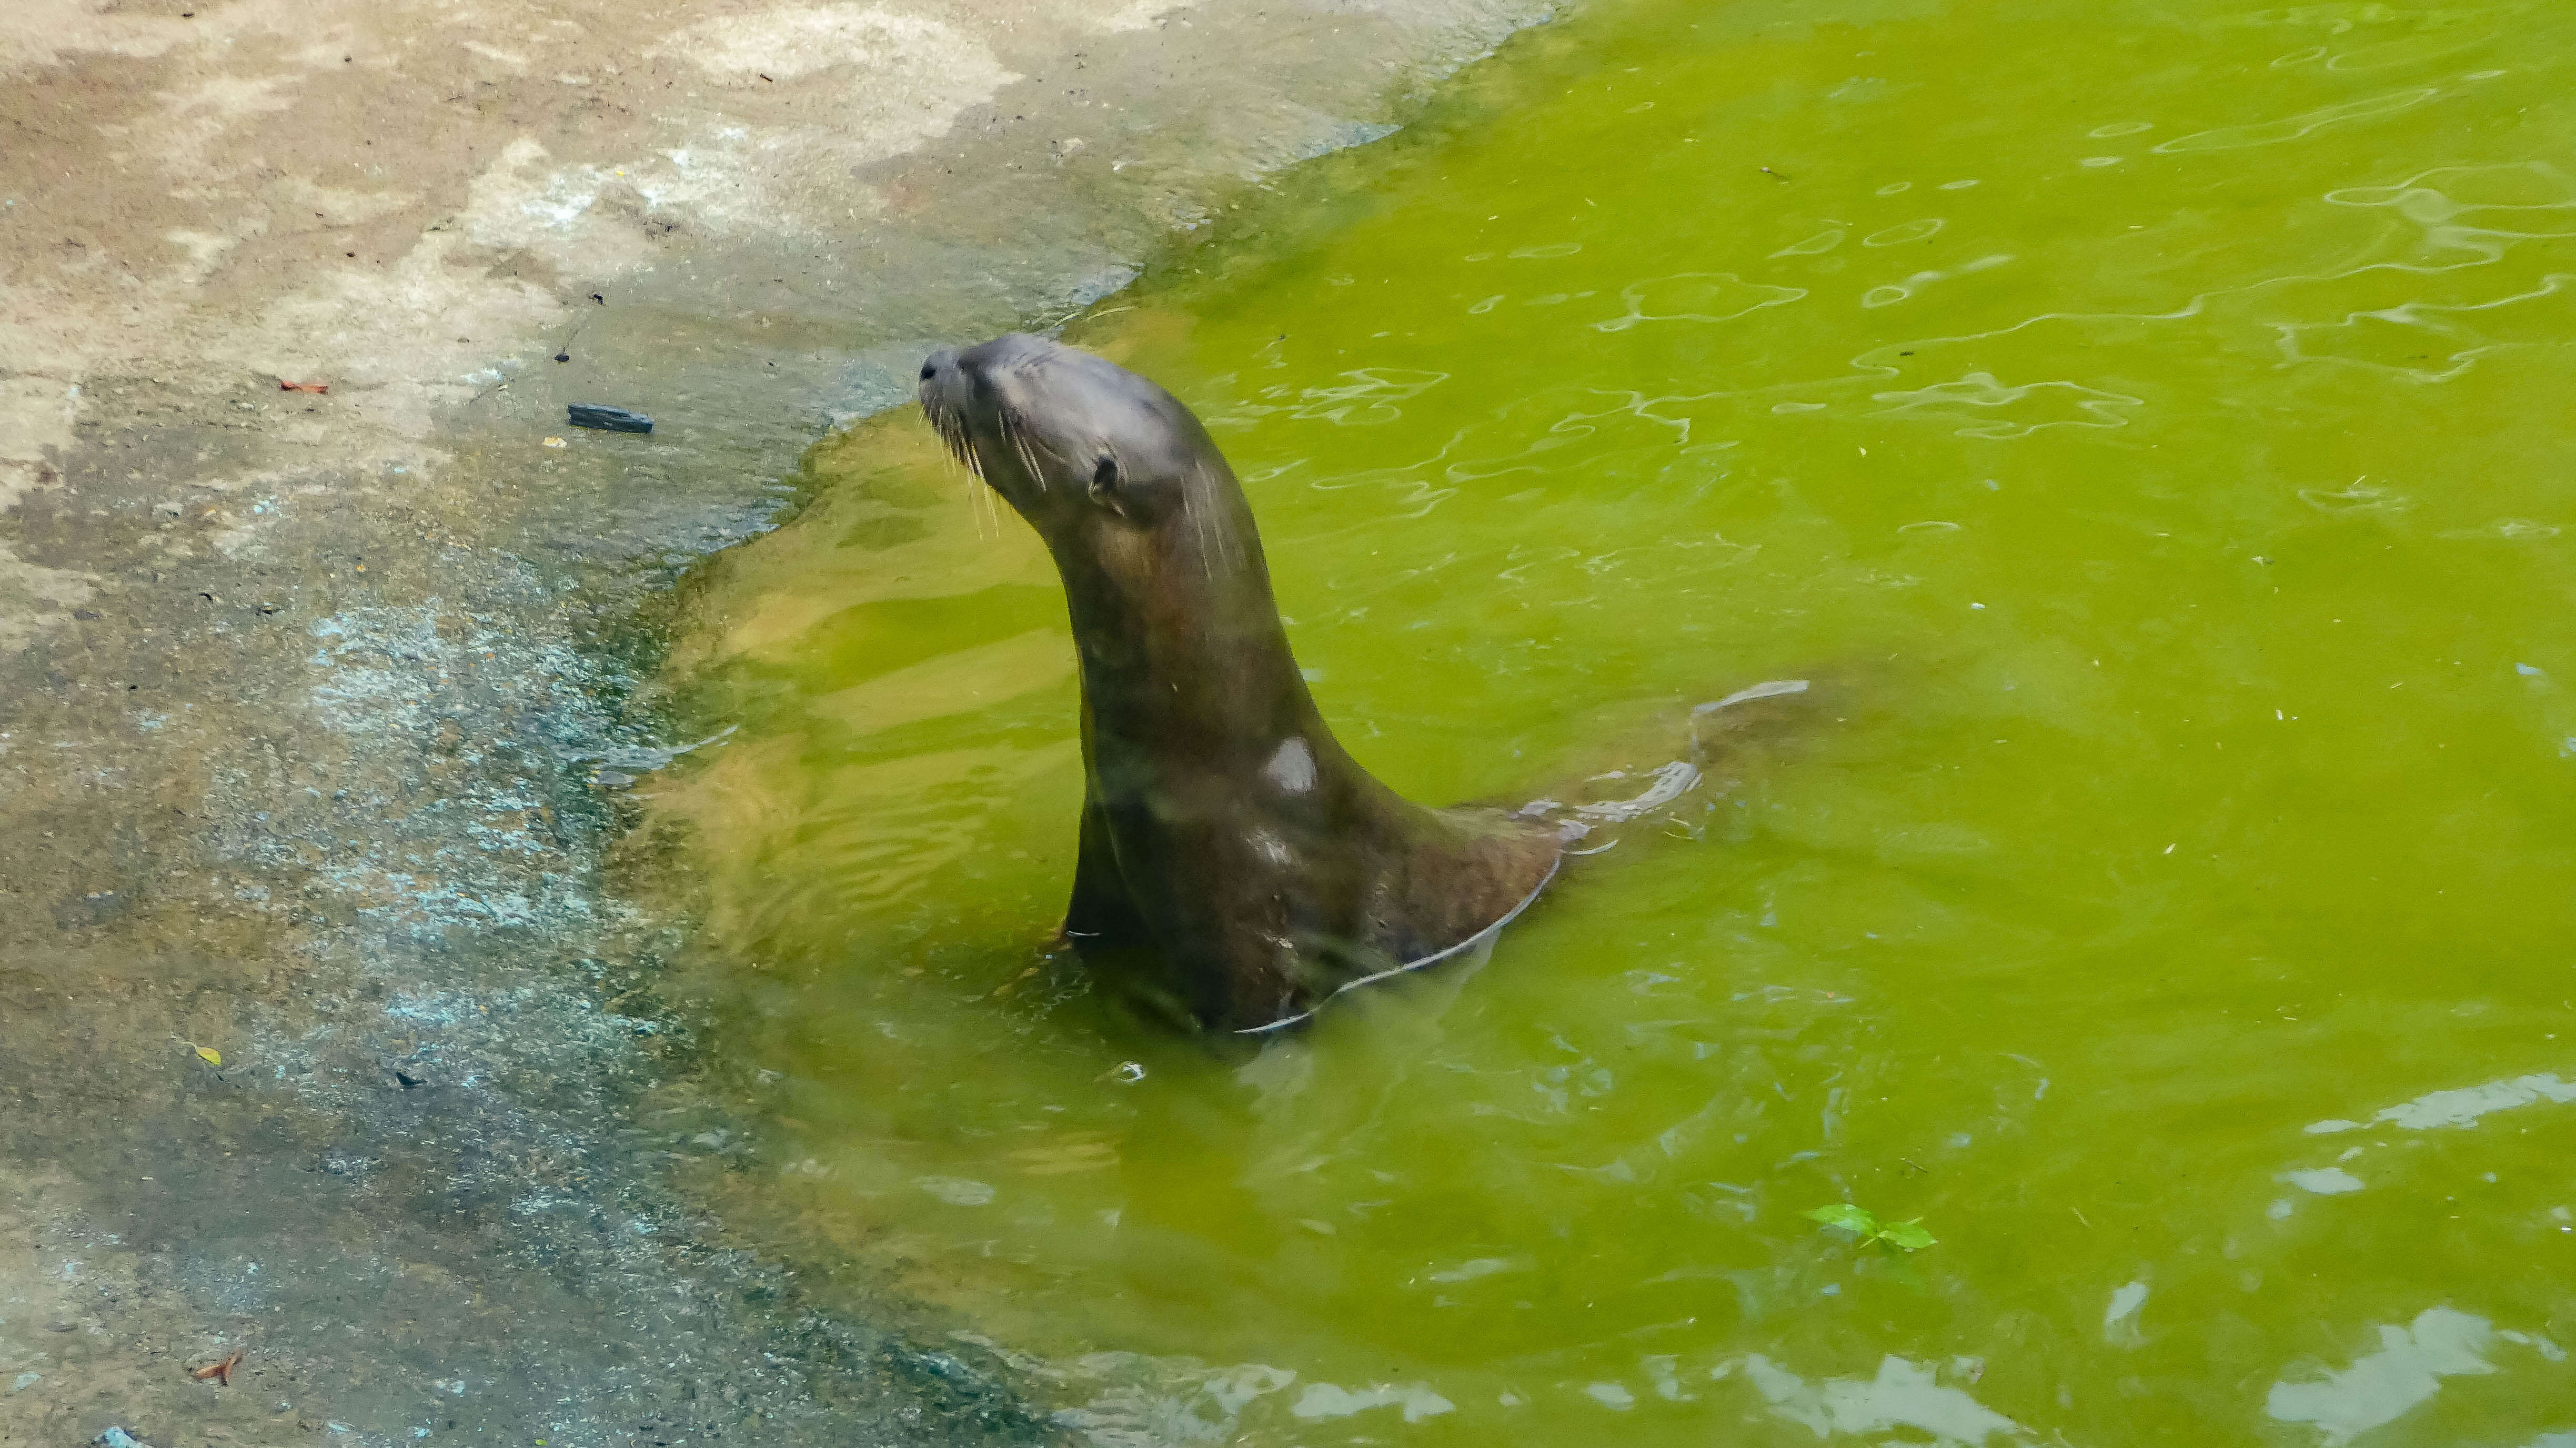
[1907,1236]
[213,1056]
[1847,1217]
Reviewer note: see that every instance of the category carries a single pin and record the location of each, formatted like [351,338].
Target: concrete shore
[322,1035]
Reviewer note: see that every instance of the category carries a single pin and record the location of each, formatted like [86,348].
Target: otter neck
[1187,653]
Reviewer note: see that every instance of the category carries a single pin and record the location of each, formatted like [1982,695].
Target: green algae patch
[2153,448]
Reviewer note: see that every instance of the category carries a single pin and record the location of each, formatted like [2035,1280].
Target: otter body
[1233,857]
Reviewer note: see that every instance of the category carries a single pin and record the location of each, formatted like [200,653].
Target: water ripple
[1696,297]
[2291,128]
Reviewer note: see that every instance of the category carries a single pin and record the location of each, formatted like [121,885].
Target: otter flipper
[1101,916]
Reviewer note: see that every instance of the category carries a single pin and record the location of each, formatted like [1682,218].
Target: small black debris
[608,419]
[563,356]
[407,1079]
[84,613]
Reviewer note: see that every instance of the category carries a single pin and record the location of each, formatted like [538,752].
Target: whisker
[960,449]
[1200,484]
[1198,525]
[988,512]
[968,474]
[1017,437]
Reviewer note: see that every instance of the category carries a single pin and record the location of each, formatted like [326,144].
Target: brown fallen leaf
[221,1372]
[285,386]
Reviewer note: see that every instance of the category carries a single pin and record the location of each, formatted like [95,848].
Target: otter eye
[1104,475]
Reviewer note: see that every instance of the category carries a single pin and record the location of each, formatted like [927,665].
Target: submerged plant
[1863,1224]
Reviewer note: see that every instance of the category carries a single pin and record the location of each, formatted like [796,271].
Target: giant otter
[1241,863]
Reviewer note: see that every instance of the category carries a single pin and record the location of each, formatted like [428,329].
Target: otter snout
[938,374]
[956,370]
[973,396]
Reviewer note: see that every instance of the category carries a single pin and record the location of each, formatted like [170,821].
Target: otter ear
[1104,483]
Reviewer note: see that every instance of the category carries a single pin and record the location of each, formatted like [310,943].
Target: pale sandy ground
[305,698]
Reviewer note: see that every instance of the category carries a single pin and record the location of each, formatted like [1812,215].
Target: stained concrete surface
[315,707]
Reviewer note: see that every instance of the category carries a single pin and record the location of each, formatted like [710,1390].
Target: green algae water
[2151,427]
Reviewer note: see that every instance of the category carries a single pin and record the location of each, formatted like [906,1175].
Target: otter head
[1073,442]
[1161,564]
